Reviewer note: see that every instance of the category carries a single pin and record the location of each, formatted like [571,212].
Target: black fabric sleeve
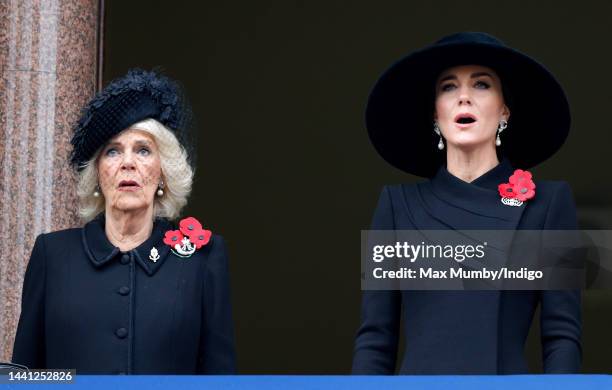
[29,347]
[217,354]
[560,316]
[377,338]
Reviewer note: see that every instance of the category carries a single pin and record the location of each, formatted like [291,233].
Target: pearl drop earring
[436,129]
[502,126]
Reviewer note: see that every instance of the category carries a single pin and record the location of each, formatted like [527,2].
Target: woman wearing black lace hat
[130,292]
[464,113]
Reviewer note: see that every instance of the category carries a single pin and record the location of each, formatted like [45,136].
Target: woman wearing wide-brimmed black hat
[130,292]
[465,113]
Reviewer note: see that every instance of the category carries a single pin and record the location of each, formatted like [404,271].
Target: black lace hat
[399,113]
[137,96]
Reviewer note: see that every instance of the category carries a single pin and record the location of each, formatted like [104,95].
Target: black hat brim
[399,113]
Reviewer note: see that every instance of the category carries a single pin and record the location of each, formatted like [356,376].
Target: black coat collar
[481,196]
[100,251]
[473,209]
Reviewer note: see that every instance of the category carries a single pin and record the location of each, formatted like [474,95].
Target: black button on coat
[88,306]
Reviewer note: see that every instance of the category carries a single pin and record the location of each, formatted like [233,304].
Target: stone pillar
[49,68]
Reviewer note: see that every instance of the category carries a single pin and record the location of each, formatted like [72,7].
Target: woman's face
[469,106]
[129,171]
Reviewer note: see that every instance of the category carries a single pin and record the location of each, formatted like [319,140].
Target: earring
[96,192]
[436,129]
[160,190]
[502,126]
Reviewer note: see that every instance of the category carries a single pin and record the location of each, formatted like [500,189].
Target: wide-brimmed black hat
[137,96]
[399,113]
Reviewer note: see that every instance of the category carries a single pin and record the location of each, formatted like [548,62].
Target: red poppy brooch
[519,189]
[188,238]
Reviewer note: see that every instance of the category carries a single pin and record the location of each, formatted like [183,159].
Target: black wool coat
[468,332]
[88,306]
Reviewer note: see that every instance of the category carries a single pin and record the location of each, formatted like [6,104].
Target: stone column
[49,68]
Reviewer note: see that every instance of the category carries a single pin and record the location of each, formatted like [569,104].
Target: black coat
[468,332]
[88,306]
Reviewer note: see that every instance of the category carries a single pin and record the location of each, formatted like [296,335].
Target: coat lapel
[100,251]
[473,210]
[476,205]
[143,251]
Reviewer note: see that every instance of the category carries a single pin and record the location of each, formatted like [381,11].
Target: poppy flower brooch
[190,236]
[519,189]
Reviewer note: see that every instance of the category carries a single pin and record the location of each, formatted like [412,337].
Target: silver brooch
[511,202]
[154,255]
[185,249]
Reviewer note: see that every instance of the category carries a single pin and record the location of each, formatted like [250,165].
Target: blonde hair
[176,173]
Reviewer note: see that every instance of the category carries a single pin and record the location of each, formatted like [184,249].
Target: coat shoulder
[549,190]
[403,186]
[401,191]
[552,207]
[217,245]
[65,234]
[550,187]
[215,252]
[217,240]
[61,238]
